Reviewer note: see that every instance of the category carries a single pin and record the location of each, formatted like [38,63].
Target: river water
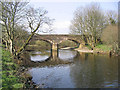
[72,69]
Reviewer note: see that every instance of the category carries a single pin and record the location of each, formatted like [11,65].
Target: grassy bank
[100,48]
[103,48]
[10,79]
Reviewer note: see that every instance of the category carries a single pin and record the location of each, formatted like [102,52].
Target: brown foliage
[110,35]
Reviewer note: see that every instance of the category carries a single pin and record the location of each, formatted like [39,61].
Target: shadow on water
[72,69]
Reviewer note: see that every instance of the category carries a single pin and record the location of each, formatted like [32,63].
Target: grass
[9,69]
[100,47]
[103,47]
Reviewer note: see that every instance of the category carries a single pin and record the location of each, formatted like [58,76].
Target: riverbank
[100,49]
[13,74]
[85,51]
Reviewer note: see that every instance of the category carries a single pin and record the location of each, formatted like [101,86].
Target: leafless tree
[37,20]
[15,14]
[112,17]
[10,15]
[89,22]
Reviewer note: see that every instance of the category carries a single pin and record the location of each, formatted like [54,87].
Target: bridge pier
[54,54]
[54,51]
[54,46]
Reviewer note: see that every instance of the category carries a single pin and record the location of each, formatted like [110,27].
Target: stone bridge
[56,39]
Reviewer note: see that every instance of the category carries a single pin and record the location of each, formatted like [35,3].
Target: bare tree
[10,15]
[89,22]
[15,14]
[36,19]
[112,17]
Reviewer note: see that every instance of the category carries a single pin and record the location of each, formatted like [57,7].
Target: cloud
[61,27]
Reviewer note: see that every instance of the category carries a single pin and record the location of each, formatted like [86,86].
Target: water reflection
[55,55]
[61,55]
[51,59]
[95,71]
[79,70]
[39,56]
[52,77]
[67,54]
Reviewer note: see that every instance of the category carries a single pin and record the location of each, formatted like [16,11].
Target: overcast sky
[62,10]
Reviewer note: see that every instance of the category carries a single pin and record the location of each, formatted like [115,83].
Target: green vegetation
[42,44]
[88,46]
[10,79]
[38,45]
[102,47]
[67,44]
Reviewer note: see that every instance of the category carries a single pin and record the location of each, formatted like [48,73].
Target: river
[72,69]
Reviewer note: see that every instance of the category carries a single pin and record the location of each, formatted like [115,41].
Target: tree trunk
[11,46]
[27,42]
[24,46]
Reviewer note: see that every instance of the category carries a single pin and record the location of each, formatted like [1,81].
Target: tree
[20,36]
[16,15]
[10,15]
[36,19]
[110,33]
[89,22]
[112,17]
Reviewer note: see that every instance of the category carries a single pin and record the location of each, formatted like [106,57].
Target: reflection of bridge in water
[53,60]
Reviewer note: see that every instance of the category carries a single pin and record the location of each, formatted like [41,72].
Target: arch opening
[39,44]
[40,50]
[68,44]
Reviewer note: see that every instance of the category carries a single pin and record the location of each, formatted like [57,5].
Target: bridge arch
[47,41]
[75,41]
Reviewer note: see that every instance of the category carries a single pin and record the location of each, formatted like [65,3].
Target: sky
[63,11]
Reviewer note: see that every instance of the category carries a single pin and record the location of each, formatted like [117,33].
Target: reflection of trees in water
[93,70]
